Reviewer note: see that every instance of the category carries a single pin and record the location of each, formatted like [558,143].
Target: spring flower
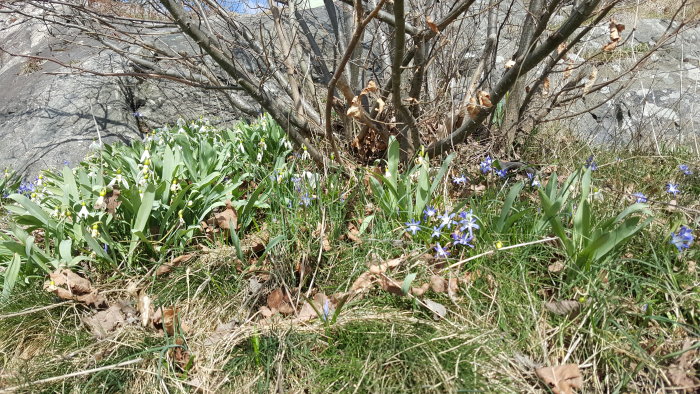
[413,226]
[641,198]
[468,222]
[305,154]
[463,239]
[591,164]
[485,165]
[326,310]
[441,252]
[305,200]
[533,181]
[502,173]
[499,245]
[118,180]
[100,202]
[145,156]
[175,186]
[683,239]
[95,232]
[39,180]
[460,180]
[429,212]
[83,214]
[446,219]
[673,188]
[685,169]
[190,203]
[437,232]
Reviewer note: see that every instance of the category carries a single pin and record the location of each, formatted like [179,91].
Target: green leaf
[10,276]
[141,218]
[393,161]
[365,224]
[406,286]
[35,210]
[64,249]
[507,206]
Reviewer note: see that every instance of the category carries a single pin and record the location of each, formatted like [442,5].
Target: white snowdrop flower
[145,155]
[84,213]
[118,180]
[189,203]
[180,122]
[175,186]
[181,130]
[305,154]
[40,180]
[259,156]
[95,232]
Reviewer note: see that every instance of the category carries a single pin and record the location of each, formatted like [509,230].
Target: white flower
[259,156]
[305,155]
[189,203]
[100,200]
[118,180]
[40,180]
[84,213]
[95,231]
[180,122]
[175,186]
[145,155]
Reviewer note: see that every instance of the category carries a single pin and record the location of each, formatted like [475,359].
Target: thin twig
[71,375]
[30,311]
[539,241]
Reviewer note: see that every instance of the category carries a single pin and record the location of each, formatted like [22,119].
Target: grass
[638,307]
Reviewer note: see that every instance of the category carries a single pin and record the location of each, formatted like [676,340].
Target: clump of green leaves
[125,206]
[590,239]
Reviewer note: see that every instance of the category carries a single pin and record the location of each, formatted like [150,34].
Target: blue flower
[485,165]
[533,181]
[463,239]
[137,114]
[305,200]
[641,198]
[413,226]
[446,219]
[673,188]
[591,164]
[468,222]
[437,232]
[683,239]
[685,169]
[501,173]
[326,310]
[26,188]
[460,180]
[441,252]
[429,212]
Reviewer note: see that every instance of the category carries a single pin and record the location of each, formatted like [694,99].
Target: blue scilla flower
[413,226]
[437,232]
[673,188]
[305,200]
[685,169]
[460,180]
[591,164]
[468,222]
[485,165]
[641,198]
[463,239]
[446,219]
[441,252]
[501,173]
[26,188]
[533,181]
[429,212]
[683,239]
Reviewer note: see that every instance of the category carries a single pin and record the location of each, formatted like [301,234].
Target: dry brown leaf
[255,242]
[355,109]
[353,234]
[266,312]
[68,285]
[439,310]
[419,291]
[145,308]
[166,268]
[472,108]
[615,30]
[691,267]
[322,303]
[112,201]
[363,282]
[509,64]
[370,88]
[561,47]
[545,86]
[564,308]
[227,219]
[484,99]
[438,284]
[610,46]
[452,286]
[569,68]
[380,105]
[682,373]
[171,321]
[562,379]
[106,321]
[278,300]
[555,267]
[390,285]
[431,24]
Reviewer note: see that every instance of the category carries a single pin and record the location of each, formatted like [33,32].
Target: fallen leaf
[171,321]
[484,99]
[564,308]
[145,308]
[439,310]
[322,303]
[555,267]
[509,64]
[227,219]
[452,286]
[355,109]
[615,30]
[277,300]
[419,291]
[255,242]
[472,108]
[112,201]
[380,105]
[166,268]
[390,285]
[610,46]
[561,47]
[431,25]
[562,379]
[370,88]
[353,234]
[438,284]
[363,282]
[68,285]
[106,321]
[682,374]
[545,86]
[592,76]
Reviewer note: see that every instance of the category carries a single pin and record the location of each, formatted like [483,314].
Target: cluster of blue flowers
[26,188]
[591,164]
[683,239]
[460,227]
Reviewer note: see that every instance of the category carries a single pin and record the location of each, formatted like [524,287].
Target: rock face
[49,116]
